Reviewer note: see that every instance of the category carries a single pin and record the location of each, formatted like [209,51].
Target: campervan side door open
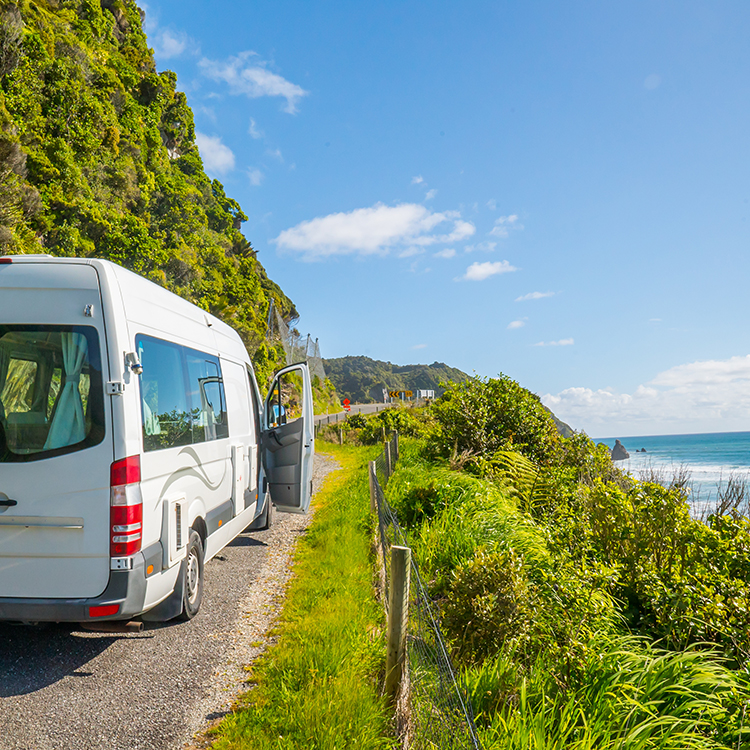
[288,439]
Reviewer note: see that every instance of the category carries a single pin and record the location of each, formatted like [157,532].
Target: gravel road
[66,689]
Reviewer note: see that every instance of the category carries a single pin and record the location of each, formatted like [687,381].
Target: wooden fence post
[395,445]
[398,619]
[341,436]
[388,464]
[373,491]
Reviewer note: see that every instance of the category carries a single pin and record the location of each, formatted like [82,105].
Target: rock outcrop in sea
[618,452]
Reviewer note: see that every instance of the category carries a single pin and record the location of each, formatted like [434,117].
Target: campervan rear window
[51,397]
[182,395]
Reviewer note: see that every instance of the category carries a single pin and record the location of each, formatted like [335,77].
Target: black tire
[192,581]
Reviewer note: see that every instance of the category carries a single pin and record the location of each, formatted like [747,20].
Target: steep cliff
[98,158]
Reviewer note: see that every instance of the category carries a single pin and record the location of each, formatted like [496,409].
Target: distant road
[321,419]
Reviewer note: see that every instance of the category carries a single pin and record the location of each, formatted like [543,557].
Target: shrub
[488,604]
[483,415]
[356,421]
[406,421]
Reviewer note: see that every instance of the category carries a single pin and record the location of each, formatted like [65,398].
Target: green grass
[318,688]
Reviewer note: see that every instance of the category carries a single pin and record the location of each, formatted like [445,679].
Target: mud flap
[171,607]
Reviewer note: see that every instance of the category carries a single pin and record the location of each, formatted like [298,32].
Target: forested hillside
[98,159]
[362,379]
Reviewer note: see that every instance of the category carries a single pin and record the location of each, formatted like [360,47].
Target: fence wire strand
[440,712]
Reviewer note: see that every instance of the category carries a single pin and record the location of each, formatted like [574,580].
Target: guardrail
[434,705]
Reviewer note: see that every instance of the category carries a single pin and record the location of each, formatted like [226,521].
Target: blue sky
[558,192]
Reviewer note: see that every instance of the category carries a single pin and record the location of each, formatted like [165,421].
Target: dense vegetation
[98,159]
[585,608]
[362,380]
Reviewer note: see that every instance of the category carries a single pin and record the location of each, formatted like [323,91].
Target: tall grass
[634,697]
[318,687]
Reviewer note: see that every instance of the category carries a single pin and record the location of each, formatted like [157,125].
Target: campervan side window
[51,397]
[182,395]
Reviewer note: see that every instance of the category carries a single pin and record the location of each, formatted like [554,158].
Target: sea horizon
[710,459]
[667,435]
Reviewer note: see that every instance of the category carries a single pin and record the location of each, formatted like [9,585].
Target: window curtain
[4,365]
[69,423]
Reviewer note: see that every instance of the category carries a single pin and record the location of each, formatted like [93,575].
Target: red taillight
[3,261]
[126,507]
[125,471]
[105,610]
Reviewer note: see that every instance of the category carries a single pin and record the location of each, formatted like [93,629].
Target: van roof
[119,272]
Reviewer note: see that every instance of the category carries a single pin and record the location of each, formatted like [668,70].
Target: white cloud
[247,74]
[430,194]
[217,158]
[517,324]
[208,112]
[503,224]
[482,247]
[534,295]
[561,342]
[370,231]
[461,231]
[255,175]
[169,44]
[419,346]
[482,271]
[702,396]
[449,252]
[410,252]
[492,204]
[253,131]
[276,154]
[418,180]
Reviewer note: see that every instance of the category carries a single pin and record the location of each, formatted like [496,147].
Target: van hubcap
[193,577]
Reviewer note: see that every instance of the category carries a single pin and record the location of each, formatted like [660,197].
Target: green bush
[406,421]
[483,415]
[488,606]
[357,421]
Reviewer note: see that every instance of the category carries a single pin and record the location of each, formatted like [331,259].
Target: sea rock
[618,452]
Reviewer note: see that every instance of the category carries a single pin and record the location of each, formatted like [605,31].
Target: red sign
[346,403]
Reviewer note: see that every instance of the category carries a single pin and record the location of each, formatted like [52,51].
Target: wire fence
[297,348]
[438,710]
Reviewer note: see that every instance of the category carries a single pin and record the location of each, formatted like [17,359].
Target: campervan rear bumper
[126,588]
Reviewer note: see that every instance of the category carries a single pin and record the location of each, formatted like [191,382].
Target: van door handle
[8,502]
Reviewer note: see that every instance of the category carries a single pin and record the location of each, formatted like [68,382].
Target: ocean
[709,457]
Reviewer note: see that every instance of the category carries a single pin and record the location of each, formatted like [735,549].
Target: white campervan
[134,444]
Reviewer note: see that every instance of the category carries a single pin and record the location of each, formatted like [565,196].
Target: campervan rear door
[289,439]
[55,432]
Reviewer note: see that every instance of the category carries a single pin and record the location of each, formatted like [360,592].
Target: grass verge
[318,687]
